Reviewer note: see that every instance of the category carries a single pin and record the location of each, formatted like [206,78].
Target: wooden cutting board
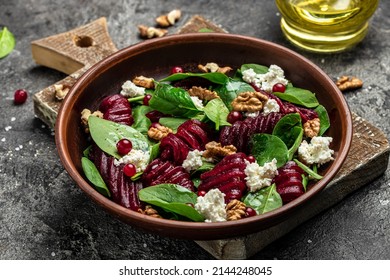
[75,51]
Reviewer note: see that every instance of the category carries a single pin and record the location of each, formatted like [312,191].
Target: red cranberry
[176,69]
[202,193]
[250,212]
[124,146]
[251,159]
[146,99]
[279,88]
[20,96]
[234,116]
[130,170]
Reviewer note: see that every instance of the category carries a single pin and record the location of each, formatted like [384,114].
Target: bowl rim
[117,57]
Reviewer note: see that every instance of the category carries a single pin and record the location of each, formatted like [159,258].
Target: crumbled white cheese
[252,114]
[317,151]
[197,102]
[212,206]
[271,106]
[129,89]
[265,81]
[137,157]
[193,160]
[258,177]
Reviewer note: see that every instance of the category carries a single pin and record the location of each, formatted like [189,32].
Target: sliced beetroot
[289,182]
[190,135]
[228,176]
[123,190]
[116,108]
[154,116]
[240,133]
[174,149]
[160,172]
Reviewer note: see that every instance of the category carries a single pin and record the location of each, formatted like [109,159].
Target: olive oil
[326,25]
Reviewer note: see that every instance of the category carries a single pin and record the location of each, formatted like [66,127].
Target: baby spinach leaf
[93,175]
[229,91]
[172,198]
[266,147]
[107,133]
[206,166]
[7,42]
[298,96]
[297,134]
[217,112]
[312,174]
[87,151]
[214,77]
[264,200]
[283,128]
[324,119]
[141,122]
[289,129]
[173,101]
[257,68]
[172,123]
[154,151]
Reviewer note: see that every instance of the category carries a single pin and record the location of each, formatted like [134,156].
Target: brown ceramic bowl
[154,58]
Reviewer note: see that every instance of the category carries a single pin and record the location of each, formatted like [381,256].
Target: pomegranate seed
[202,193]
[250,212]
[124,146]
[176,69]
[130,170]
[20,96]
[146,99]
[234,116]
[279,88]
[251,159]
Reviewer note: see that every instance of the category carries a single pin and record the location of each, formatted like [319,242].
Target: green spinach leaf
[229,91]
[266,147]
[257,68]
[172,123]
[324,119]
[312,174]
[215,77]
[264,200]
[172,198]
[7,42]
[107,133]
[217,112]
[173,101]
[289,129]
[93,175]
[141,122]
[298,96]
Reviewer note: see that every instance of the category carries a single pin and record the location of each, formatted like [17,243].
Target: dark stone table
[43,214]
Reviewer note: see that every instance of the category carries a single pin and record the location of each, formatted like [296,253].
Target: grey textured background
[43,215]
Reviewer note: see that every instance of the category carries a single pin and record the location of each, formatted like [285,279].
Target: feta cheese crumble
[258,177]
[265,81]
[193,160]
[212,206]
[271,106]
[317,151]
[137,157]
[197,102]
[129,89]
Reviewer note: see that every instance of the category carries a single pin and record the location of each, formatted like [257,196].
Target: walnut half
[235,210]
[311,128]
[215,150]
[249,101]
[345,83]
